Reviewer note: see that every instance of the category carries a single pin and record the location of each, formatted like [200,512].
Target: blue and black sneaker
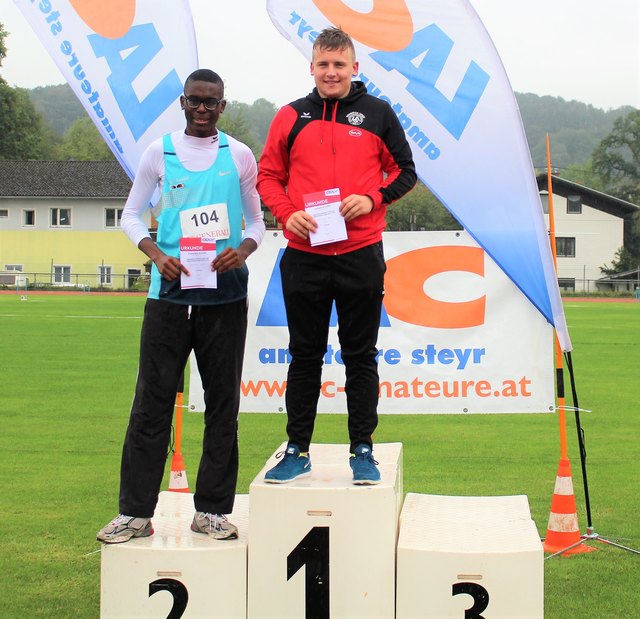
[292,466]
[365,471]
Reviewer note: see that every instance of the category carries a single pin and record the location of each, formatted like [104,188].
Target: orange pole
[558,356]
[178,439]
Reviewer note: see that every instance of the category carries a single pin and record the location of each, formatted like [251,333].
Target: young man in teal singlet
[198,171]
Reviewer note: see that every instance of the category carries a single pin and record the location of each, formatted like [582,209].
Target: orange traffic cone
[178,474]
[563,533]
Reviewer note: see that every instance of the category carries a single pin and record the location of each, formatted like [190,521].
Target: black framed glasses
[210,103]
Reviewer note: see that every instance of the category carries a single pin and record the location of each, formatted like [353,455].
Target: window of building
[112,217]
[132,277]
[28,218]
[574,204]
[4,213]
[61,275]
[567,284]
[60,217]
[13,267]
[566,246]
[544,199]
[104,276]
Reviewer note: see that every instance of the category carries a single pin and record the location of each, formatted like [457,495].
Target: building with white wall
[589,229]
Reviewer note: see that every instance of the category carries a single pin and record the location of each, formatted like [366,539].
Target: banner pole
[558,350]
[178,414]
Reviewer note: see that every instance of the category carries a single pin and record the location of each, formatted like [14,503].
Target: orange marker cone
[563,533]
[178,474]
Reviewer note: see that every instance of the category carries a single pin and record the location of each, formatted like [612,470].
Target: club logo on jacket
[355,118]
[305,115]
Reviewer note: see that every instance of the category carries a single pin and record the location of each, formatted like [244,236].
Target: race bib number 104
[209,221]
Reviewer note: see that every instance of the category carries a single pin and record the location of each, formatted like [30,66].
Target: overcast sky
[585,50]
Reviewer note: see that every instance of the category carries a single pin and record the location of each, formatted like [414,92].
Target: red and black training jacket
[355,143]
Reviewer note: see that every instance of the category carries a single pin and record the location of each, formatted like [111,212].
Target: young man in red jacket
[343,143]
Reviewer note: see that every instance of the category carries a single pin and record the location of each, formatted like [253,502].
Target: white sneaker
[214,525]
[122,528]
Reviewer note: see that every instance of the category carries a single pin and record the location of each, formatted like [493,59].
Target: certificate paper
[324,207]
[196,255]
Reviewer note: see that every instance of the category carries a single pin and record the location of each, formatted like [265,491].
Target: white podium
[468,556]
[176,570]
[321,546]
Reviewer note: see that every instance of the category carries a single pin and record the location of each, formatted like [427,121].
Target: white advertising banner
[456,335]
[436,65]
[126,61]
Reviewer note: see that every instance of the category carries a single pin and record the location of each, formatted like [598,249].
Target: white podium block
[468,556]
[321,546]
[177,570]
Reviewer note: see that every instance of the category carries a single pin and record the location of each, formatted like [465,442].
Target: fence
[140,282]
[75,281]
[607,285]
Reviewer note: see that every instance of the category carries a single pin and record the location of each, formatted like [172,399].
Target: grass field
[68,372]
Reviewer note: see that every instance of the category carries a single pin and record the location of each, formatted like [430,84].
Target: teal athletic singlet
[184,190]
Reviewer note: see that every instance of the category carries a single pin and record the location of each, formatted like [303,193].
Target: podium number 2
[480,598]
[177,590]
[313,553]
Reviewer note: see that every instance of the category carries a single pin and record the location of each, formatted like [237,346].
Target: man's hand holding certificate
[196,255]
[324,207]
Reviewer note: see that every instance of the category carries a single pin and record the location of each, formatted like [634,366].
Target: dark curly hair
[204,75]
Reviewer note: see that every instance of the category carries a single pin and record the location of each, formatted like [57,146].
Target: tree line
[593,147]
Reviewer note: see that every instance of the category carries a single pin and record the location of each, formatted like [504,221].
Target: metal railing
[87,282]
[84,282]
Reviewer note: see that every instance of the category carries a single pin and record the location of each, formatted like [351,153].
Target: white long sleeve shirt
[195,154]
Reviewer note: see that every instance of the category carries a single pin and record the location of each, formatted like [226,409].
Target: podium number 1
[313,553]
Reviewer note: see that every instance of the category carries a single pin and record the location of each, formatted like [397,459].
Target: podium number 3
[313,553]
[177,590]
[480,598]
